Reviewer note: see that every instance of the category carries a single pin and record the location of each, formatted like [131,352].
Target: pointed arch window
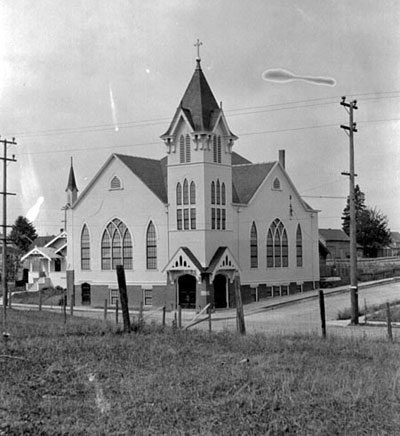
[277,246]
[187,144]
[178,194]
[212,192]
[215,154]
[115,183]
[192,193]
[151,247]
[299,247]
[182,149]
[116,246]
[85,248]
[223,198]
[253,247]
[218,192]
[185,192]
[219,150]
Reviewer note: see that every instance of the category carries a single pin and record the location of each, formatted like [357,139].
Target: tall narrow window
[187,148]
[223,218]
[212,192]
[213,218]
[151,247]
[215,154]
[116,246]
[85,248]
[270,249]
[179,219]
[299,247]
[192,193]
[218,192]
[178,194]
[219,150]
[182,149]
[218,219]
[193,218]
[253,247]
[277,246]
[223,199]
[185,192]
[186,219]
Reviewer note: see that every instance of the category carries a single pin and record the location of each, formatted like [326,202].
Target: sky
[84,79]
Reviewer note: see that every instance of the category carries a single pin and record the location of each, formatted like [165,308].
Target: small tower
[71,190]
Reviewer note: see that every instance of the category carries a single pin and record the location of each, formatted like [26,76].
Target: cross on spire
[198,44]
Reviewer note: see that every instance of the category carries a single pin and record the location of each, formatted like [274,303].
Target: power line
[156,121]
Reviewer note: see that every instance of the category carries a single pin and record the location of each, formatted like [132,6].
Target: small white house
[47,264]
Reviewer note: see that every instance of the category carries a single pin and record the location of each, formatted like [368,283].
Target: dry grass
[85,378]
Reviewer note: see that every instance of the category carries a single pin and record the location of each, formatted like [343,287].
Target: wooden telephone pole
[350,130]
[5,160]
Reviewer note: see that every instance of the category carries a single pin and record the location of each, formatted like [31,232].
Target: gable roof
[47,252]
[151,172]
[246,178]
[337,235]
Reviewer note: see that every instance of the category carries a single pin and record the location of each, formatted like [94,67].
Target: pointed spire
[71,179]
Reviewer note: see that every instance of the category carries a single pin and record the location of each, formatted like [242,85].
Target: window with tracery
[277,246]
[116,246]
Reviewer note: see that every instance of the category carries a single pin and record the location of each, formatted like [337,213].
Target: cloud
[280,75]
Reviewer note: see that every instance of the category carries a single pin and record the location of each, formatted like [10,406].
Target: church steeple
[72,189]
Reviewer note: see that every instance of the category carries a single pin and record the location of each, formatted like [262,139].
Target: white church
[187,226]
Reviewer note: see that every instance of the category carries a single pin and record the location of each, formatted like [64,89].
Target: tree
[359,202]
[373,232]
[22,234]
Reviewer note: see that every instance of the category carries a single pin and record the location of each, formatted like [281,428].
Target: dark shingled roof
[152,173]
[193,258]
[334,235]
[246,179]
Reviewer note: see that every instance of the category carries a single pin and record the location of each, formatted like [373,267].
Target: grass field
[85,378]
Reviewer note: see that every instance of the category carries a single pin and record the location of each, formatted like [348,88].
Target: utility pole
[350,130]
[5,159]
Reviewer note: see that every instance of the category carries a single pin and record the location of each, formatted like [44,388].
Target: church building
[188,226]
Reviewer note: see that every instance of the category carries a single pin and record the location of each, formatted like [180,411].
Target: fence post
[239,308]
[140,321]
[163,316]
[322,312]
[105,309]
[209,319]
[40,299]
[123,296]
[365,311]
[65,306]
[389,322]
[116,312]
[179,316]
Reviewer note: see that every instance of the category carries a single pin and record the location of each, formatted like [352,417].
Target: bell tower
[199,148]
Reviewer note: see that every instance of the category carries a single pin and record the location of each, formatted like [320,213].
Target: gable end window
[115,183]
[276,184]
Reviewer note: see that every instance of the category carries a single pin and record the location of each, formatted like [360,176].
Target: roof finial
[198,44]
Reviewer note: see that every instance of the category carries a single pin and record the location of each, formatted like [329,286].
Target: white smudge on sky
[33,212]
[279,75]
[113,108]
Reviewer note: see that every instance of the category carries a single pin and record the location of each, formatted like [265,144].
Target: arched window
[116,246]
[223,198]
[218,192]
[277,246]
[151,247]
[215,149]
[219,150]
[85,248]
[192,193]
[187,148]
[182,149]
[276,183]
[185,192]
[253,247]
[178,194]
[212,192]
[299,246]
[115,183]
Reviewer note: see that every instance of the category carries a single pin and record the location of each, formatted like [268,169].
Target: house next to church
[190,227]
